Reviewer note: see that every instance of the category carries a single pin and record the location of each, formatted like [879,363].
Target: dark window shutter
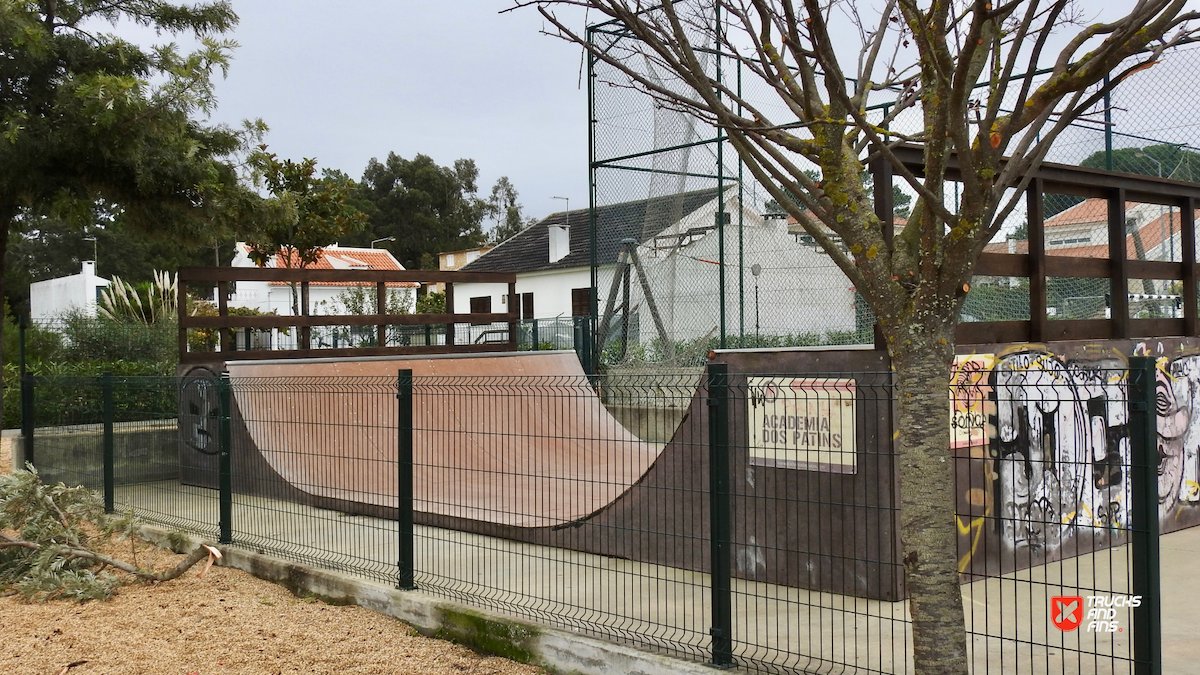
[581,302]
[526,305]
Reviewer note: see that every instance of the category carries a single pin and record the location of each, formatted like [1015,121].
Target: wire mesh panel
[69,424]
[817,579]
[745,518]
[1045,503]
[314,471]
[568,501]
[159,422]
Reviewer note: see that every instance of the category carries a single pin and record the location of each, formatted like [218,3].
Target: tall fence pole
[720,516]
[106,395]
[1143,538]
[405,578]
[27,417]
[225,402]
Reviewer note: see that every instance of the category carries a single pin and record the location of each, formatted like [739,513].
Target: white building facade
[324,297]
[49,300]
[798,288]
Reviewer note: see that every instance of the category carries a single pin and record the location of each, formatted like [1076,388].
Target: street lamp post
[756,270]
[376,241]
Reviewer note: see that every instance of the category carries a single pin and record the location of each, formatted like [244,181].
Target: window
[526,300]
[581,302]
[1070,241]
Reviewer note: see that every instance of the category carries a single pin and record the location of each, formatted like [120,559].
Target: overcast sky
[451,79]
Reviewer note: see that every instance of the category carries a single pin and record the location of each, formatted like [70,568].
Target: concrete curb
[556,650]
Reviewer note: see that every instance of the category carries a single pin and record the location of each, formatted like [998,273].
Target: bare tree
[966,69]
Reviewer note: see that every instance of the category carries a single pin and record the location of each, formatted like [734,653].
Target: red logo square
[1066,611]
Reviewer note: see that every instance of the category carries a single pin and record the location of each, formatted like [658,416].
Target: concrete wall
[142,452]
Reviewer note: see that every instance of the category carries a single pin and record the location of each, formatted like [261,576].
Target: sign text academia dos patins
[802,423]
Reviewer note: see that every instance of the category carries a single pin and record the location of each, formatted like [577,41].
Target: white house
[552,258]
[797,288]
[677,240]
[52,298]
[1154,232]
[325,297]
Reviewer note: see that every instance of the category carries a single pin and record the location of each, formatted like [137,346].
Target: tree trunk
[928,501]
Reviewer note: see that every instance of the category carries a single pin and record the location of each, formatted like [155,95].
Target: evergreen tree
[87,118]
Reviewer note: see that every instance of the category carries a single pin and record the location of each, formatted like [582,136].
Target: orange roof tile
[1153,233]
[339,258]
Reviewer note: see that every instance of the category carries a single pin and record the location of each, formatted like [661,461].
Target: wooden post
[513,316]
[1118,291]
[1036,214]
[381,308]
[305,331]
[1187,245]
[181,315]
[450,310]
[227,342]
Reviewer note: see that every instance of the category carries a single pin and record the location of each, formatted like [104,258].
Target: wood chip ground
[228,623]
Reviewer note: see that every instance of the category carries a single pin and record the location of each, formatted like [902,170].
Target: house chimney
[89,268]
[1012,245]
[560,242]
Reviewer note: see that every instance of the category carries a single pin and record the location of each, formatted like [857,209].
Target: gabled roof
[1087,211]
[341,258]
[529,250]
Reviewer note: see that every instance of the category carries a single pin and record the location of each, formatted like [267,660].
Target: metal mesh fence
[122,435]
[744,518]
[531,512]
[724,267]
[315,481]
[1044,477]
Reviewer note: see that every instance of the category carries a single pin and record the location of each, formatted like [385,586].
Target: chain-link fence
[718,264]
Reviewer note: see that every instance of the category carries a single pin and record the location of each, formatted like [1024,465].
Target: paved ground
[1181,600]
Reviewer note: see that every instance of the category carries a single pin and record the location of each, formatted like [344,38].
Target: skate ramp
[489,445]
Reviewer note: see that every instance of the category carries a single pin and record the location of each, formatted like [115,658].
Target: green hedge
[69,393]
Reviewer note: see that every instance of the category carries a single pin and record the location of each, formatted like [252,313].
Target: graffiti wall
[1042,436]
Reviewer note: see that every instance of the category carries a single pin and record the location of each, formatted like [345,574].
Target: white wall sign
[802,423]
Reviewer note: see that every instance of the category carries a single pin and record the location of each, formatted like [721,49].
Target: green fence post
[720,515]
[225,402]
[534,335]
[577,339]
[404,429]
[27,417]
[106,387]
[1143,536]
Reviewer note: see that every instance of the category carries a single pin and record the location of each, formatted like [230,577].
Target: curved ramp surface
[517,439]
